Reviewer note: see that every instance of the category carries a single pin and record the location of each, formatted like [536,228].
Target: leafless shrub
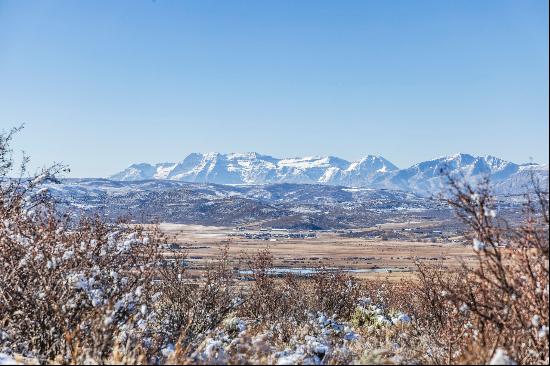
[501,303]
[280,303]
[261,301]
[66,288]
[187,310]
[335,293]
[287,302]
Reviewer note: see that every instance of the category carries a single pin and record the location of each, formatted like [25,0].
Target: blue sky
[102,84]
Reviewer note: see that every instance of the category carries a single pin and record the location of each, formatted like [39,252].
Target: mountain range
[369,172]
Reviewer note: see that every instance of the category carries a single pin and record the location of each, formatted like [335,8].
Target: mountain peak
[371,171]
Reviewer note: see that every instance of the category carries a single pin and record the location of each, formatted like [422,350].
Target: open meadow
[363,258]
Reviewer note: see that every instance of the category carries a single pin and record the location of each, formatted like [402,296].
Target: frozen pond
[311,270]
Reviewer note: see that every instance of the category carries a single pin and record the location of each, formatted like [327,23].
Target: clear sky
[102,84]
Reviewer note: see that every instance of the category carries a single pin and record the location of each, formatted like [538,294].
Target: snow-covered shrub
[67,289]
[369,316]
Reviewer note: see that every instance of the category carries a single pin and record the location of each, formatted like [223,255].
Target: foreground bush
[66,287]
[497,309]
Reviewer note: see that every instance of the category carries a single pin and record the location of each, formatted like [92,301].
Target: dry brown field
[364,258]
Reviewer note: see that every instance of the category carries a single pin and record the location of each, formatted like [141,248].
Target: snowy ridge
[254,168]
[371,171]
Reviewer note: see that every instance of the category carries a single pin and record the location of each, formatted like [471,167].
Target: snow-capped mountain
[426,176]
[254,168]
[518,181]
[144,171]
[371,171]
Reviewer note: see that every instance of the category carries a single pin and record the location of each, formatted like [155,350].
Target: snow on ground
[7,360]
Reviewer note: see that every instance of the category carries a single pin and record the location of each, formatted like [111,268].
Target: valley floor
[360,256]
